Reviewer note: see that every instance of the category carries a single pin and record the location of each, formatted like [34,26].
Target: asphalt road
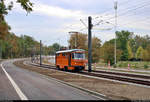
[20,84]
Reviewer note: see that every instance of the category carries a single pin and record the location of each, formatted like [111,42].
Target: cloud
[66,18]
[57,11]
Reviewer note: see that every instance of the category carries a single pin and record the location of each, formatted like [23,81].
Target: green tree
[56,46]
[96,45]
[145,55]
[122,39]
[9,44]
[130,54]
[53,48]
[148,51]
[138,41]
[4,8]
[78,40]
[139,53]
[142,41]
[107,52]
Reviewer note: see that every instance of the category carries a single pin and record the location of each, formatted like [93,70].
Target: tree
[78,40]
[142,41]
[138,41]
[122,39]
[133,45]
[96,44]
[5,8]
[15,47]
[130,54]
[145,55]
[4,28]
[139,53]
[107,52]
[56,46]
[53,48]
[26,5]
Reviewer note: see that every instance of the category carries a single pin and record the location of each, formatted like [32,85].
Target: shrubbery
[115,66]
[145,66]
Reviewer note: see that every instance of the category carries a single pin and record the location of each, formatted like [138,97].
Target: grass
[124,64]
[134,65]
[125,71]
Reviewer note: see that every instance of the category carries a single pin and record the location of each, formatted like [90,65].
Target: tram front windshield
[78,56]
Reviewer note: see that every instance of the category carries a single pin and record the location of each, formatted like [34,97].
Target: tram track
[130,78]
[136,81]
[123,74]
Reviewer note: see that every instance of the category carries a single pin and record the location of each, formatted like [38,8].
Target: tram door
[69,59]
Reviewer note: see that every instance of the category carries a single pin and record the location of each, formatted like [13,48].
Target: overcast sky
[51,20]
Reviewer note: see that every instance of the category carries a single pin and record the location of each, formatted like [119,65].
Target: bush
[145,66]
[135,66]
[120,65]
[125,64]
[114,65]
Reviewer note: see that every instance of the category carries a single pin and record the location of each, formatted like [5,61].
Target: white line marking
[19,92]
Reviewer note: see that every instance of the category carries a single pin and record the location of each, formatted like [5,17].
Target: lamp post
[115,7]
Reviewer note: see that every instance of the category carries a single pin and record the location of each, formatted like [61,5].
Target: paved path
[33,86]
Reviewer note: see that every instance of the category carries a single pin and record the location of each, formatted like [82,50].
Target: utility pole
[11,52]
[89,43]
[31,53]
[25,51]
[76,39]
[115,7]
[40,52]
[0,52]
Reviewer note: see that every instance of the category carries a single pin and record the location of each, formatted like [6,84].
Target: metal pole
[31,54]
[76,39]
[40,52]
[0,53]
[89,44]
[115,7]
[11,52]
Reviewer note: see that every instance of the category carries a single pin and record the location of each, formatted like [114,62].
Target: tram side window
[72,55]
[66,55]
[57,54]
[63,54]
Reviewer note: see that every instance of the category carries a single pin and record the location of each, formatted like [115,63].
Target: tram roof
[72,50]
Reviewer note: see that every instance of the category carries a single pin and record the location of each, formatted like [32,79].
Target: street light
[115,7]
